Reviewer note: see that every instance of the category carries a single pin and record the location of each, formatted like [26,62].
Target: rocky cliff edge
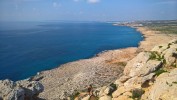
[151,75]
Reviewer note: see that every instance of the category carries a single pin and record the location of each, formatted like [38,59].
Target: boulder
[137,82]
[6,87]
[102,93]
[141,65]
[16,94]
[32,89]
[132,83]
[9,91]
[169,56]
[164,88]
[121,80]
[120,91]
[20,90]
[149,67]
[133,66]
[125,96]
[106,97]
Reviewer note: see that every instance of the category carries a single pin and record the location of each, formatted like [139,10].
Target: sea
[30,47]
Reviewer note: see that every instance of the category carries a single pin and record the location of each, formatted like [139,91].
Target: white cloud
[93,1]
[89,1]
[76,0]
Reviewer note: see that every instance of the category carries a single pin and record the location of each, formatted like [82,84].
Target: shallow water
[29,47]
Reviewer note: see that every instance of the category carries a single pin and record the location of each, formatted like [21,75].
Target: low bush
[160,71]
[137,93]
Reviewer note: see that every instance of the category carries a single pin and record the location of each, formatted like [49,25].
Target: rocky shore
[151,75]
[101,70]
[114,74]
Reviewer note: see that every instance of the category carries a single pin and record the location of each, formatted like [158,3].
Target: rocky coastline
[113,66]
[151,75]
[99,71]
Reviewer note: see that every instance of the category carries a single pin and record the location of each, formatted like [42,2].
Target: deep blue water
[29,47]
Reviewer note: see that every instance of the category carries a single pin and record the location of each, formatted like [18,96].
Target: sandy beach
[100,70]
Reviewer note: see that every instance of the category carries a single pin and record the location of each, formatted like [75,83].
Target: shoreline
[65,79]
[107,65]
[153,38]
[100,70]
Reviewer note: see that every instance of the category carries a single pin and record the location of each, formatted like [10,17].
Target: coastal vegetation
[162,26]
[167,27]
[136,94]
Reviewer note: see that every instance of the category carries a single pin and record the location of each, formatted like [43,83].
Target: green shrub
[160,46]
[137,93]
[122,63]
[155,56]
[174,82]
[160,71]
[152,55]
[113,86]
[169,45]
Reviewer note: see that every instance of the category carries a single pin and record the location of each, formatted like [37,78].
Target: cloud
[76,0]
[89,1]
[93,1]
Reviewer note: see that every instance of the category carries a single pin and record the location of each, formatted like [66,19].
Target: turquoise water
[29,47]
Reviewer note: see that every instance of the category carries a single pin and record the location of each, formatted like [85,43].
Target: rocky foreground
[20,90]
[151,75]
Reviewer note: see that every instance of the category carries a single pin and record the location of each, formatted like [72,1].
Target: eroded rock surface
[21,90]
[164,88]
[146,76]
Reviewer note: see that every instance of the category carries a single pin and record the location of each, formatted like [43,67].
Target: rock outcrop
[164,88]
[144,73]
[151,75]
[20,90]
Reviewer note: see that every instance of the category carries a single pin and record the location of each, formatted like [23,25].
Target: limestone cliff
[151,75]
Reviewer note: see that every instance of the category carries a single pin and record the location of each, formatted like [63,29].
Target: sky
[87,10]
